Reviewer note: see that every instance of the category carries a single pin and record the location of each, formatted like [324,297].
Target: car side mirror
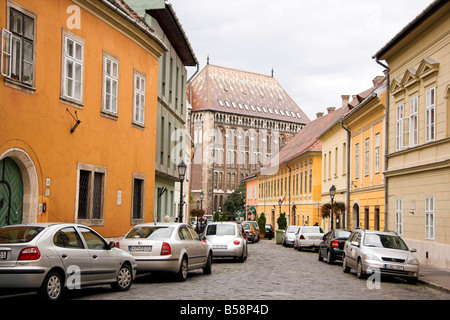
[324,237]
[111,245]
[413,250]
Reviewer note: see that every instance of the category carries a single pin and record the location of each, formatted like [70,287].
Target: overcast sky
[319,49]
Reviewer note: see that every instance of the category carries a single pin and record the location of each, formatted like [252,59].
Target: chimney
[331,109]
[345,100]
[319,114]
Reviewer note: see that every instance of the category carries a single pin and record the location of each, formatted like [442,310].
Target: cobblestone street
[272,272]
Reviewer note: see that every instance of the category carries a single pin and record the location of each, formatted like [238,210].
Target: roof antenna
[272,72]
[207,59]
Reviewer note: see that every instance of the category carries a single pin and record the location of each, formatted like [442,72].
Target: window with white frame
[399,216]
[18,46]
[414,122]
[429,218]
[400,115]
[110,84]
[357,161]
[377,153]
[367,157]
[73,60]
[430,114]
[139,99]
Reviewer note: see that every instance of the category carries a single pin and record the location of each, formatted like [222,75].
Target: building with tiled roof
[238,120]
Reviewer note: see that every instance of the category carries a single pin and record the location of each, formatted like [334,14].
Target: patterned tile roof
[241,92]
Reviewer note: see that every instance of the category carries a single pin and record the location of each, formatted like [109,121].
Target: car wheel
[52,287]
[182,273]
[242,257]
[330,259]
[345,267]
[359,270]
[124,279]
[207,268]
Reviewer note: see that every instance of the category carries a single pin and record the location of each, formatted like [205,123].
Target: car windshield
[19,234]
[312,230]
[384,241]
[292,229]
[342,234]
[220,230]
[150,232]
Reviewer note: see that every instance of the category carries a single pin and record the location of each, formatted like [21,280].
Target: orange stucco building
[78,94]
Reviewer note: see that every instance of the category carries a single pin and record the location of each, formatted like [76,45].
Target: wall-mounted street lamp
[332,194]
[181,174]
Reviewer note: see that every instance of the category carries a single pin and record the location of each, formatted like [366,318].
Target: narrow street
[272,272]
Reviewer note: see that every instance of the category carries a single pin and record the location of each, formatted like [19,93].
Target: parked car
[371,251]
[227,240]
[255,224]
[308,237]
[168,247]
[250,232]
[50,257]
[269,234]
[332,245]
[289,235]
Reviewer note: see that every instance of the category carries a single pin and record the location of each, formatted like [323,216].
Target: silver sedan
[168,247]
[49,257]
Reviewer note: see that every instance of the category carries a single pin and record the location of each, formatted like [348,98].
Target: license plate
[393,267]
[219,247]
[2,255]
[140,248]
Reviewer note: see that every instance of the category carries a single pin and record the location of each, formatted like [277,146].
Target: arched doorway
[23,164]
[11,193]
[355,215]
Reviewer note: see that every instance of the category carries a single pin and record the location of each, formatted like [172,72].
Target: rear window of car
[312,230]
[19,234]
[156,232]
[220,230]
[342,234]
[292,229]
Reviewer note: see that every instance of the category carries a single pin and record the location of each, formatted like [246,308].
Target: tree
[236,201]
[282,222]
[262,223]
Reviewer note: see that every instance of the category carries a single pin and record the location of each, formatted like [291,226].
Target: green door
[11,193]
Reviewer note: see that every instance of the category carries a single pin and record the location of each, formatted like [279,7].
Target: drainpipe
[386,150]
[348,173]
[290,172]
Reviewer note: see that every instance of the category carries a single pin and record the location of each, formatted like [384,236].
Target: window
[73,59]
[91,193]
[367,157]
[138,198]
[110,84]
[357,161]
[139,99]
[414,122]
[400,114]
[68,238]
[18,46]
[399,216]
[430,114]
[377,153]
[429,218]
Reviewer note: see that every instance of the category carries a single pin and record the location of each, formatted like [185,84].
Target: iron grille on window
[137,199]
[83,194]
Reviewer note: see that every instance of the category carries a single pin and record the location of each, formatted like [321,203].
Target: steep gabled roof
[240,92]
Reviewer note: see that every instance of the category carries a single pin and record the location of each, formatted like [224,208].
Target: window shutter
[6,53]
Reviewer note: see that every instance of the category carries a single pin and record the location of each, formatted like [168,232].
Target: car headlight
[413,261]
[371,257]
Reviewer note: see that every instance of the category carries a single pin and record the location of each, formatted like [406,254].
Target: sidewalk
[435,277]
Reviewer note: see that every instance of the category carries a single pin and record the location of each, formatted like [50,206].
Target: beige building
[418,114]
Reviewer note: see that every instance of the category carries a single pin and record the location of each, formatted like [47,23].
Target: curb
[434,285]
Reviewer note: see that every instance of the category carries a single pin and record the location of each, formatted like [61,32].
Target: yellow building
[366,123]
[78,91]
[418,170]
[291,182]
